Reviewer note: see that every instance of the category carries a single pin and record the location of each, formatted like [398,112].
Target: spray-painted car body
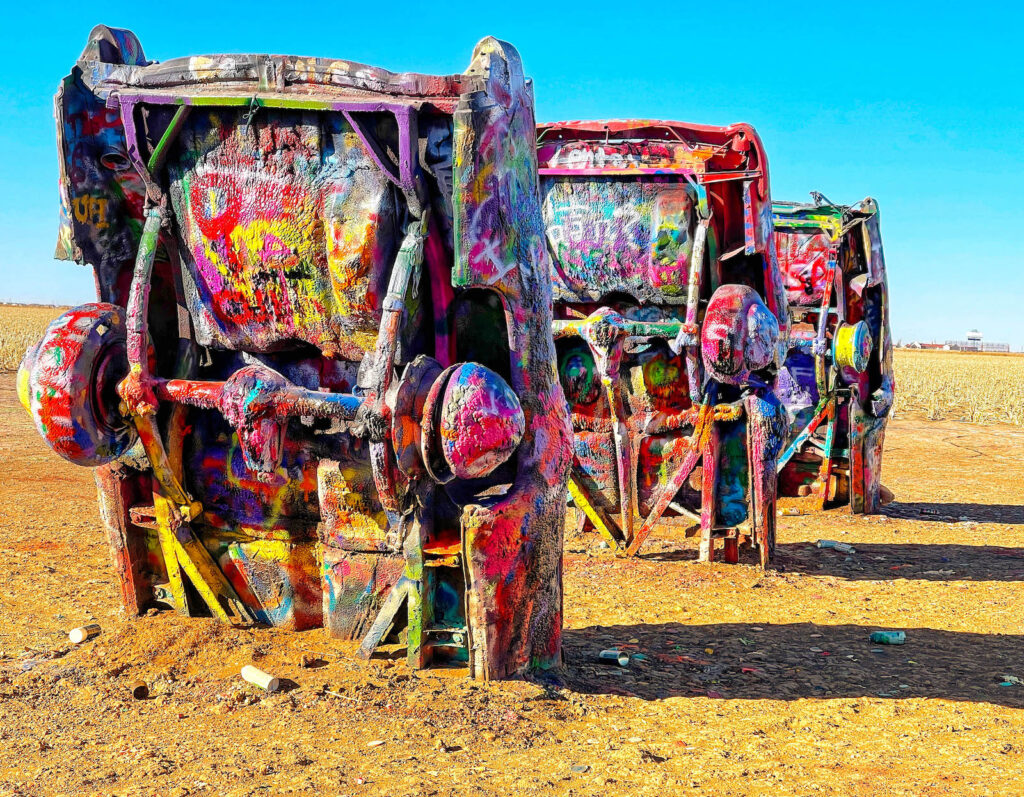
[837,382]
[319,380]
[668,309]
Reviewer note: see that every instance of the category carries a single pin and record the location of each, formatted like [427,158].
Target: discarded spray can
[843,547]
[613,658]
[263,680]
[888,637]
[139,690]
[84,632]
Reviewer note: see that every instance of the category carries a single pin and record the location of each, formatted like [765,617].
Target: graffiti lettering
[91,210]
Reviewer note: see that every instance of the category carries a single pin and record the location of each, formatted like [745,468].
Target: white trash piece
[263,680]
[842,547]
[84,632]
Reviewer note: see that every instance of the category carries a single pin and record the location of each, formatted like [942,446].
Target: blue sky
[919,105]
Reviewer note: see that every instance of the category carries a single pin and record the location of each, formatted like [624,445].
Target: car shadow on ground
[884,561]
[1008,514]
[792,661]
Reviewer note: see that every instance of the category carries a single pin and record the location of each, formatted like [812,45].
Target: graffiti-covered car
[669,312]
[837,380]
[318,384]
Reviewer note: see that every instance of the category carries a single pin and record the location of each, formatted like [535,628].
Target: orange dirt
[746,682]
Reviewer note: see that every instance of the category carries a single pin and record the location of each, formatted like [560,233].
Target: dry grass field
[21,325]
[960,386]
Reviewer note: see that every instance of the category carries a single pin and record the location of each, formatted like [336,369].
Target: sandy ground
[742,682]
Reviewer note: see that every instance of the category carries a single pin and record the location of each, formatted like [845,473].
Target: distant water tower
[974,339]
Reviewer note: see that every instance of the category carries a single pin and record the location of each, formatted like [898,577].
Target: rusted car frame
[318,383]
[837,381]
[669,310]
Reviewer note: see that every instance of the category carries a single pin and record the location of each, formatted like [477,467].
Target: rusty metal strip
[184,553]
[693,370]
[165,534]
[858,488]
[408,262]
[820,368]
[825,474]
[406,590]
[623,445]
[698,442]
[762,446]
[597,515]
[820,413]
[709,465]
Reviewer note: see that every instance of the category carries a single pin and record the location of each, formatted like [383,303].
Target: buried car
[837,381]
[669,318]
[318,384]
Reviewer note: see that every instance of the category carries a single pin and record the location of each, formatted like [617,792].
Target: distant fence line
[976,345]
